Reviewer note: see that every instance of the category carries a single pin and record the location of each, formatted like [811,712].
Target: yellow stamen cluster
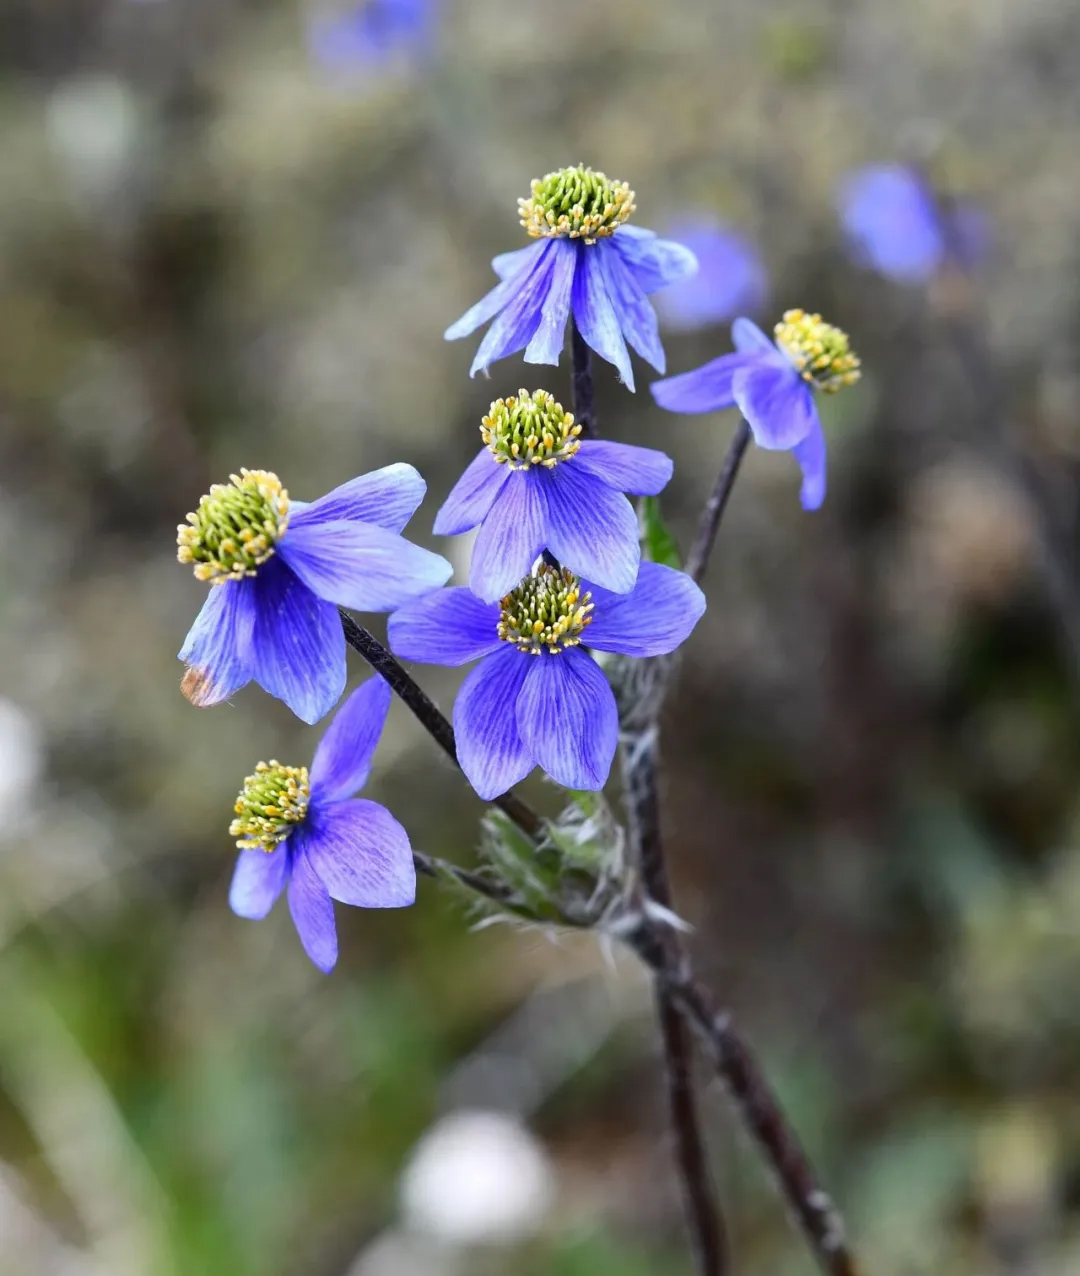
[546,612]
[821,352]
[530,429]
[235,528]
[271,803]
[575,203]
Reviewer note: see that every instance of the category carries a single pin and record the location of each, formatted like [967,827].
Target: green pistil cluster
[575,203]
[530,429]
[821,352]
[271,803]
[545,612]
[235,527]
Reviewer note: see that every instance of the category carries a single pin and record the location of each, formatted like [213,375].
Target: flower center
[820,352]
[271,802]
[235,527]
[547,610]
[531,429]
[575,203]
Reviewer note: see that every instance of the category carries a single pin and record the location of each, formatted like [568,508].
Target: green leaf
[657,543]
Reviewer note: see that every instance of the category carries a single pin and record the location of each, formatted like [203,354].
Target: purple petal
[595,315]
[312,913]
[298,649]
[892,222]
[258,880]
[448,627]
[217,649]
[641,471]
[777,403]
[472,495]
[489,745]
[731,278]
[547,342]
[361,854]
[655,262]
[529,260]
[636,315]
[705,389]
[343,758]
[749,339]
[388,497]
[591,528]
[810,454]
[512,536]
[568,719]
[362,566]
[657,616]
[505,265]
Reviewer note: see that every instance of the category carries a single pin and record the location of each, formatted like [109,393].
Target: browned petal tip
[198,688]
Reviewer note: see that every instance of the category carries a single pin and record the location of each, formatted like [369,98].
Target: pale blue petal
[217,649]
[362,566]
[506,265]
[489,745]
[512,536]
[777,403]
[655,262]
[642,471]
[388,497]
[655,618]
[749,339]
[514,326]
[313,914]
[343,758]
[731,278]
[448,627]
[595,315]
[568,719]
[361,854]
[258,879]
[810,454]
[530,259]
[892,222]
[636,315]
[706,389]
[298,648]
[549,338]
[472,495]
[591,528]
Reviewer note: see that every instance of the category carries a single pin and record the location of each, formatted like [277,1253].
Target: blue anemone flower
[278,572]
[311,834]
[898,225]
[773,385]
[731,278]
[537,486]
[537,698]
[586,260]
[371,32]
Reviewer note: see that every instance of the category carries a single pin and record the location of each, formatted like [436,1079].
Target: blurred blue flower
[731,277]
[773,385]
[313,836]
[371,32]
[586,261]
[278,572]
[537,698]
[536,485]
[898,225]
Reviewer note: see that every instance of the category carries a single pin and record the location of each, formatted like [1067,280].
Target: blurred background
[232,234]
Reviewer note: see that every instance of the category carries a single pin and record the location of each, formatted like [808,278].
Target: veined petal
[514,325]
[489,745]
[343,758]
[360,565]
[312,913]
[705,389]
[505,265]
[388,497]
[472,495]
[547,342]
[655,618]
[217,649]
[749,339]
[777,403]
[361,854]
[637,318]
[512,535]
[448,627]
[655,262]
[568,719]
[810,454]
[595,315]
[298,648]
[258,880]
[591,528]
[642,471]
[528,260]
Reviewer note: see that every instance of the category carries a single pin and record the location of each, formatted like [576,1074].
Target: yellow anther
[530,429]
[543,612]
[273,800]
[575,203]
[820,352]
[235,528]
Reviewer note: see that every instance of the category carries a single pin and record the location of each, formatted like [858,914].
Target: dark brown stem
[584,393]
[713,512]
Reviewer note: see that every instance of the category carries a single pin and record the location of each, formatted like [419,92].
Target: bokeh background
[227,239]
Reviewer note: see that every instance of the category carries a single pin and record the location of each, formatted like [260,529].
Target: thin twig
[698,559]
[584,393]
